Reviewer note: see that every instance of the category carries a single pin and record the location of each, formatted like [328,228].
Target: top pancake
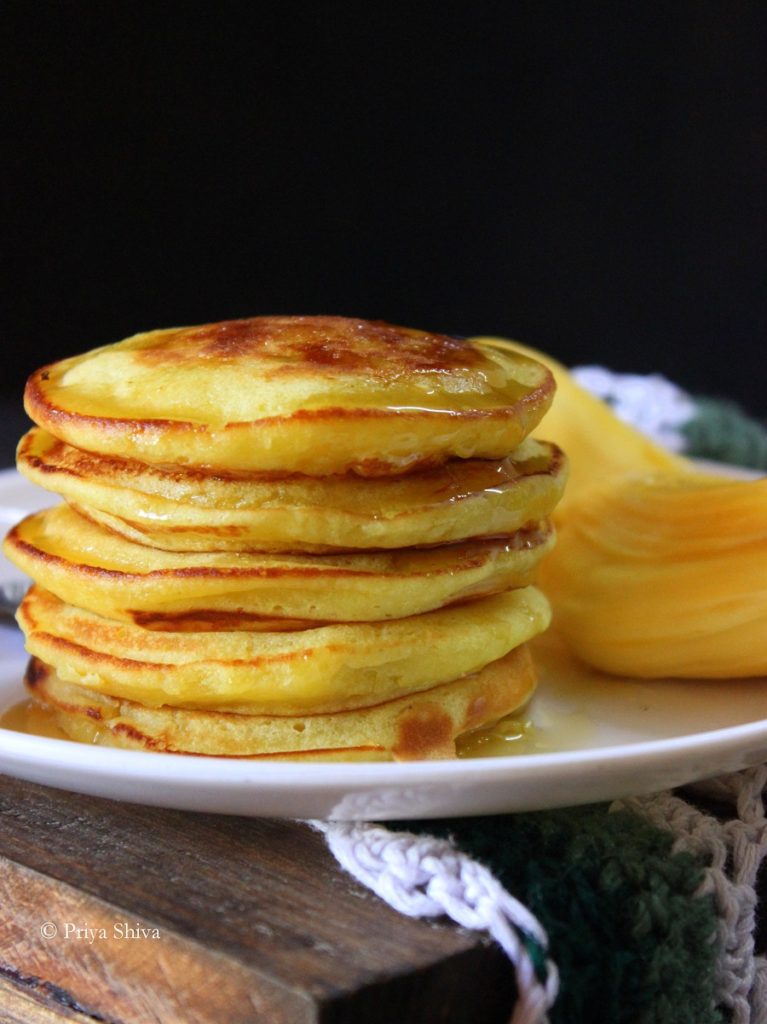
[314,395]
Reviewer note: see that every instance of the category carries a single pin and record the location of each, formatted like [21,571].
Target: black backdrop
[589,178]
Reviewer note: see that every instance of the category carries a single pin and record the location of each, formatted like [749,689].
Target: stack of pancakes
[301,537]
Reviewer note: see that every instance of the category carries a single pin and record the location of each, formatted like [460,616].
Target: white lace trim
[732,850]
[422,876]
[650,403]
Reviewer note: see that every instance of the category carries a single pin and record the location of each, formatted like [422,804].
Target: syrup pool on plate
[30,717]
[543,726]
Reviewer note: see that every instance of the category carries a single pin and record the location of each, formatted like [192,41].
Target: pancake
[315,395]
[326,669]
[181,509]
[90,568]
[424,725]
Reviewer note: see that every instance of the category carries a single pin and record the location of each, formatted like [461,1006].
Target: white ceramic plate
[606,737]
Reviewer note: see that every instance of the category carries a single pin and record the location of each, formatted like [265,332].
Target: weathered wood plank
[20,1005]
[96,959]
[245,909]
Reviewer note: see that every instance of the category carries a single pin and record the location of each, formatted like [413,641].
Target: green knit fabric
[722,431]
[633,942]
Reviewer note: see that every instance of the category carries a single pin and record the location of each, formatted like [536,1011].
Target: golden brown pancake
[422,725]
[86,566]
[329,668]
[315,395]
[184,509]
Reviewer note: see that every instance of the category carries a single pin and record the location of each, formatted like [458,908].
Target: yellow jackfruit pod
[665,576]
[599,445]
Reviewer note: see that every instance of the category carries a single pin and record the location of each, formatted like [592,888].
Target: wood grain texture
[254,922]
[21,1003]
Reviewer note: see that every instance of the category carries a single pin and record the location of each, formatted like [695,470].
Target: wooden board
[133,914]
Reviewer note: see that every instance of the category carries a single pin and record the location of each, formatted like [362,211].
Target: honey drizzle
[30,717]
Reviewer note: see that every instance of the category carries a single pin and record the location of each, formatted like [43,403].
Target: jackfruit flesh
[660,570]
[665,576]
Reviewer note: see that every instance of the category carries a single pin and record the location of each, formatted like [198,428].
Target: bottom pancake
[419,726]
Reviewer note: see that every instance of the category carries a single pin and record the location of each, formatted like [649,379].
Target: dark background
[589,178]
